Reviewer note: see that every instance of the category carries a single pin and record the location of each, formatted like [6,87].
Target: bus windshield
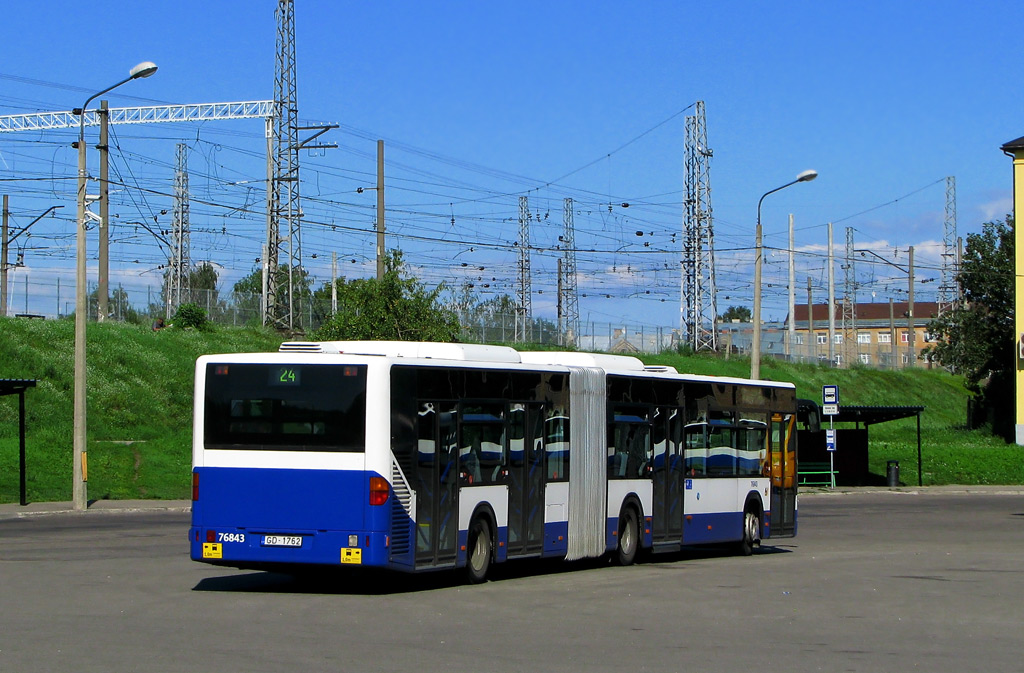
[285,407]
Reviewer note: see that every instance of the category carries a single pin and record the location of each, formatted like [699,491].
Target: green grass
[139,406]
[140,409]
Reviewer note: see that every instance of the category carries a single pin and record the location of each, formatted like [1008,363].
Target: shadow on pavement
[379,582]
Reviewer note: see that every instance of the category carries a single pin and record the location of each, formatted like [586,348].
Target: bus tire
[478,558]
[751,534]
[629,537]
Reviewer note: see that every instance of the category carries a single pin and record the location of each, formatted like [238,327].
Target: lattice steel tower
[180,263]
[524,305]
[283,223]
[570,327]
[698,304]
[948,291]
[849,324]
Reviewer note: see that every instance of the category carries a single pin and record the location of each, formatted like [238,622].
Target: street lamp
[80,465]
[755,347]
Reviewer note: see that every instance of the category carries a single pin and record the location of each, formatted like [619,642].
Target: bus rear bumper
[246,547]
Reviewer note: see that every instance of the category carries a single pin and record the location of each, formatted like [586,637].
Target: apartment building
[879,335]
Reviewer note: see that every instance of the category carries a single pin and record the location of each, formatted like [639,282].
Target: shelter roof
[15,386]
[869,415]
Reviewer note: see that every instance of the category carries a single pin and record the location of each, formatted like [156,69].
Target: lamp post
[755,347]
[80,465]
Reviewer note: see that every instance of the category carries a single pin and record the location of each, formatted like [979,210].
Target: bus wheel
[479,560]
[751,532]
[629,537]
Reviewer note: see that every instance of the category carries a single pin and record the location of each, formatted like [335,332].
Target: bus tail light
[195,486]
[379,490]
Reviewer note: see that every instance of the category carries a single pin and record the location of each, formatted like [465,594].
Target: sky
[481,103]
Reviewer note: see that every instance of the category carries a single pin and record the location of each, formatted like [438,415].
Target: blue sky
[480,103]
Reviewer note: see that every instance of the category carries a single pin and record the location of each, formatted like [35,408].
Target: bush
[191,316]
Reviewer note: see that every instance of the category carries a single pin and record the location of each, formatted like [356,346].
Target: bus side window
[695,451]
[629,442]
[638,441]
[751,446]
[482,450]
[556,430]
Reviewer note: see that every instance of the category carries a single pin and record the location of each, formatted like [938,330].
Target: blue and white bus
[423,456]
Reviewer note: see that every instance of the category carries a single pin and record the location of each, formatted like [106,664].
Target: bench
[815,474]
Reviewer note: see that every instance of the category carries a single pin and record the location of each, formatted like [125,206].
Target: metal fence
[55,298]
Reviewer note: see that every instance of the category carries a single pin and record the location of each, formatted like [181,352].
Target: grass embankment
[139,405]
[140,410]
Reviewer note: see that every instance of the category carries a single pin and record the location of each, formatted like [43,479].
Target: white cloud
[996,209]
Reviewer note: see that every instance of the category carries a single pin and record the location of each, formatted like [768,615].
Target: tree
[118,306]
[741,313]
[494,319]
[976,338]
[393,308]
[200,289]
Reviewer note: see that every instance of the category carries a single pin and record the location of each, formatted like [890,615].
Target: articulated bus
[424,456]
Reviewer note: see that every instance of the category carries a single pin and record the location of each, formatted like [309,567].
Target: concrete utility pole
[791,328]
[892,337]
[103,287]
[831,300]
[380,210]
[6,239]
[3,260]
[910,311]
[812,338]
[334,283]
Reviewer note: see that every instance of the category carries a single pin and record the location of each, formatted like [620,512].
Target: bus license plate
[282,540]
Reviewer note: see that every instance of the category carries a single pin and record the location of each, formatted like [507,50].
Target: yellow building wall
[1018,290]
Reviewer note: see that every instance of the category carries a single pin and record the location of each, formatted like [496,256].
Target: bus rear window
[285,407]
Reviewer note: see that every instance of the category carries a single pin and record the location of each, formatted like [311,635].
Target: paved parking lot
[926,580]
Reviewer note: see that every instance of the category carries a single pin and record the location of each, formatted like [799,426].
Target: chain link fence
[55,298]
[882,347]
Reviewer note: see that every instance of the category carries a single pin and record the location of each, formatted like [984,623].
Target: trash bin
[892,472]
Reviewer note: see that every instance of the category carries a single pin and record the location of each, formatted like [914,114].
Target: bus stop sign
[830,400]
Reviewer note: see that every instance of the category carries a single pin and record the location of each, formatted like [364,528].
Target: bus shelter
[18,387]
[851,455]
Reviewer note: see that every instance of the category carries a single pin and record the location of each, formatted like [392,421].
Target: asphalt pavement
[15,510]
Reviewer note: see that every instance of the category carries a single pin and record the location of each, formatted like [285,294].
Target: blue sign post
[830,407]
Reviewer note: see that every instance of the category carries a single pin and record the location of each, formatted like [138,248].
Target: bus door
[783,475]
[526,479]
[667,475]
[436,483]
